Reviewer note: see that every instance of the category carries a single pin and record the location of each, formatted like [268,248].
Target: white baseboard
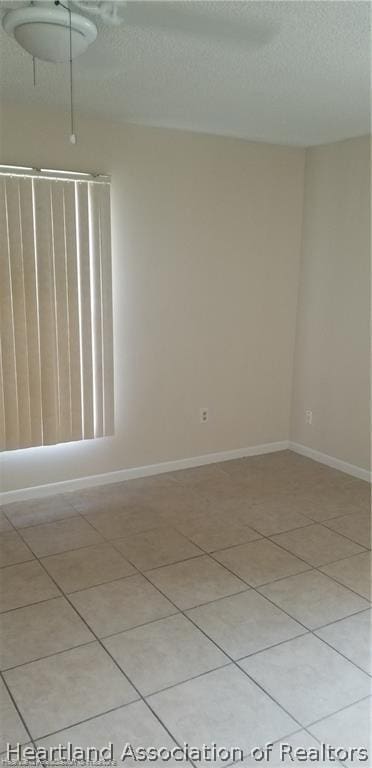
[64,486]
[51,489]
[331,461]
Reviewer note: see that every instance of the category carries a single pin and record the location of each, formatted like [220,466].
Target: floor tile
[354,572]
[353,638]
[260,562]
[23,584]
[121,605]
[356,527]
[309,679]
[104,498]
[133,724]
[164,653]
[64,689]
[13,550]
[275,515]
[51,538]
[317,545]
[82,568]
[244,623]
[195,475]
[40,630]
[194,582]
[222,490]
[37,511]
[4,523]
[157,547]
[313,599]
[296,751]
[216,533]
[119,523]
[324,502]
[12,729]
[224,707]
[178,504]
[350,728]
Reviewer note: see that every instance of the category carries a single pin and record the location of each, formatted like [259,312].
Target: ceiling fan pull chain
[72,131]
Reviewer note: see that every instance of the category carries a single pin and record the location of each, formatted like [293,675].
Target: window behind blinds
[56,362]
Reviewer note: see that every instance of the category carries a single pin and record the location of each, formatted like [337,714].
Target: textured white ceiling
[285,72]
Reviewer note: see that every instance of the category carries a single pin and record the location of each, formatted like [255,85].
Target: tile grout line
[138,572]
[310,567]
[17,708]
[208,554]
[136,689]
[308,629]
[97,639]
[342,709]
[202,604]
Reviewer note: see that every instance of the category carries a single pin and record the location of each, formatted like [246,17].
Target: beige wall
[206,244]
[331,374]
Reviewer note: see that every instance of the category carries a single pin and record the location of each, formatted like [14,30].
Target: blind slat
[62,311]
[11,418]
[95,270]
[2,407]
[31,309]
[46,301]
[19,310]
[73,310]
[103,193]
[82,214]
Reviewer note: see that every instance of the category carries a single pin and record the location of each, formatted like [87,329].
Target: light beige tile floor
[37,511]
[245,623]
[163,653]
[121,604]
[24,584]
[313,598]
[87,567]
[356,527]
[353,572]
[4,523]
[351,728]
[13,550]
[134,724]
[225,604]
[160,546]
[215,533]
[51,538]
[12,728]
[260,562]
[194,582]
[223,706]
[40,630]
[352,638]
[317,545]
[308,678]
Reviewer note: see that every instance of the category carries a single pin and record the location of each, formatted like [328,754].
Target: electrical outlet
[308,417]
[203,415]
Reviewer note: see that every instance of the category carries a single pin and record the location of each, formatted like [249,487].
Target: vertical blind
[56,361]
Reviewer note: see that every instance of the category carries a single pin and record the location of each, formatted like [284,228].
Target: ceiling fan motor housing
[44,31]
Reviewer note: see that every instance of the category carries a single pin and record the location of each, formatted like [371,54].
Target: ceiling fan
[61,30]
[42,27]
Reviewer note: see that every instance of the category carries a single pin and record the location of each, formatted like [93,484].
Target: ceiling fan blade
[194,19]
[108,10]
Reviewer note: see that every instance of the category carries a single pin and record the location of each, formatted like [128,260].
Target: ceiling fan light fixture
[45,32]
